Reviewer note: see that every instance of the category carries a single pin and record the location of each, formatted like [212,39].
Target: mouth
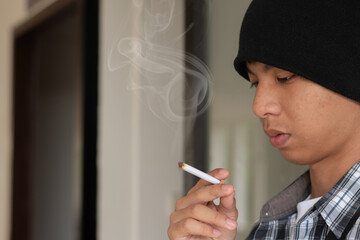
[277,138]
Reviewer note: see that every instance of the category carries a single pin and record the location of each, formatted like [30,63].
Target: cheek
[310,117]
[309,137]
[321,121]
[305,116]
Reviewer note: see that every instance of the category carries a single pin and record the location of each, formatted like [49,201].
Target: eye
[284,79]
[254,84]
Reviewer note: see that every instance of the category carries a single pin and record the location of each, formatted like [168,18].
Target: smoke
[156,65]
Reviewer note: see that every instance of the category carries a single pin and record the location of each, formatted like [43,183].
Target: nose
[266,102]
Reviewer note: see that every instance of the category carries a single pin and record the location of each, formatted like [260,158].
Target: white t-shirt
[304,206]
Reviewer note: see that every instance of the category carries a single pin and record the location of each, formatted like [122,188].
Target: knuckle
[172,217]
[170,233]
[178,203]
[196,195]
[187,224]
[190,191]
[196,209]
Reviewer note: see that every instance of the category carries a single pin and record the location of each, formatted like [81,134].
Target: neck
[326,173]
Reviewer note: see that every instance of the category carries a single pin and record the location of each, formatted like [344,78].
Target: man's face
[305,121]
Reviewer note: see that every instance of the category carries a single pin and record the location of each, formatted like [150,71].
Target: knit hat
[315,39]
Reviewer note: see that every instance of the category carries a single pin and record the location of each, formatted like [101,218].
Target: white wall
[10,13]
[139,145]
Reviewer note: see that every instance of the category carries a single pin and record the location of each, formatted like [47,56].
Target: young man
[303,57]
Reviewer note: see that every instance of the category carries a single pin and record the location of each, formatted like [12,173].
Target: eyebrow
[265,68]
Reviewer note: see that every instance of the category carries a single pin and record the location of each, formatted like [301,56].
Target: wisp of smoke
[160,65]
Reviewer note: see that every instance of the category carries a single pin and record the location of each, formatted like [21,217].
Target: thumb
[228,206]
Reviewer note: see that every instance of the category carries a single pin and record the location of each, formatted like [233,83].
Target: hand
[197,217]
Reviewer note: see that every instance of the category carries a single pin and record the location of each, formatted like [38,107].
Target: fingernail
[231,223]
[216,232]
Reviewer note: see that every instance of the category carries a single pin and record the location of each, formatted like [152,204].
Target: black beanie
[315,39]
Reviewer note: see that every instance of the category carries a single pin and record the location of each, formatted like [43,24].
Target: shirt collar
[284,203]
[339,205]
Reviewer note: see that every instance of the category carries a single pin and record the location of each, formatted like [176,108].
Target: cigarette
[199,173]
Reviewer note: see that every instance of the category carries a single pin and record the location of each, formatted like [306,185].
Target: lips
[277,138]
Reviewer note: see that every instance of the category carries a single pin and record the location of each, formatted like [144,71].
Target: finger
[219,173]
[189,226]
[204,214]
[228,206]
[204,195]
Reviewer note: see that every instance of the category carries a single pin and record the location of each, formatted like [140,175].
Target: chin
[296,157]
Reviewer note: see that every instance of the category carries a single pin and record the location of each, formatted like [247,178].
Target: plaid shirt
[331,213]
